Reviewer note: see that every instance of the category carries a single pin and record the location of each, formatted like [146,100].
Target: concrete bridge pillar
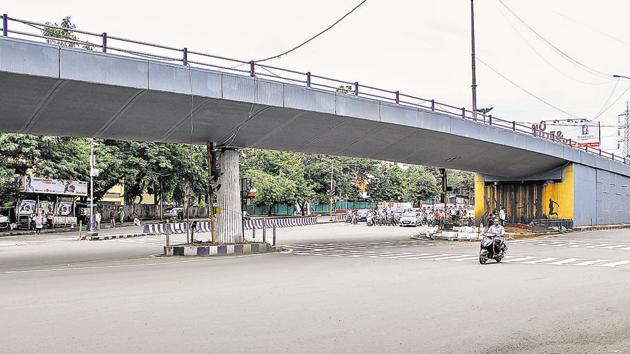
[229,219]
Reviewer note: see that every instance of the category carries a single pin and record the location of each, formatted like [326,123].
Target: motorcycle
[492,247]
[370,221]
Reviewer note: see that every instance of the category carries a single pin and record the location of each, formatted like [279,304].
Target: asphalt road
[338,288]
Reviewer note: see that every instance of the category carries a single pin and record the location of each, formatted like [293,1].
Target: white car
[173,213]
[409,218]
[4,223]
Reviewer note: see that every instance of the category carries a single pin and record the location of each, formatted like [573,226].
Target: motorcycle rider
[498,231]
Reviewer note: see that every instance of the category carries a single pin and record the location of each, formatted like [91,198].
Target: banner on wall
[26,207]
[31,184]
[64,209]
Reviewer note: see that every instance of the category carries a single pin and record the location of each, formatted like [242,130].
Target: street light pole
[474,70]
[332,172]
[91,226]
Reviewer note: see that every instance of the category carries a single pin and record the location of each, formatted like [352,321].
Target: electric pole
[474,71]
[623,121]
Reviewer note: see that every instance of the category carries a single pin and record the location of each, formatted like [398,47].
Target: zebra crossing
[608,245]
[375,251]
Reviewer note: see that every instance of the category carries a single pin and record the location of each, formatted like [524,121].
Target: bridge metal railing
[106,43]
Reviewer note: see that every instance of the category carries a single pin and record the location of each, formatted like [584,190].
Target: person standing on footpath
[112,218]
[39,222]
[97,219]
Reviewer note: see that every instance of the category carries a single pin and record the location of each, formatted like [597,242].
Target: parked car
[409,218]
[173,213]
[362,214]
[5,218]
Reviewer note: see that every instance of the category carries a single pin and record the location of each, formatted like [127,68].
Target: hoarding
[31,184]
[578,132]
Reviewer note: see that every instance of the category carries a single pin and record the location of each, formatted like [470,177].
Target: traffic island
[209,250]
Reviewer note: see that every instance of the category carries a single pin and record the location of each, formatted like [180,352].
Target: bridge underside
[585,195]
[48,106]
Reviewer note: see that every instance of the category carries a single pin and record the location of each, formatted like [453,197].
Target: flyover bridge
[130,90]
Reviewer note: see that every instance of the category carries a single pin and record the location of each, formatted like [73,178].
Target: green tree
[51,157]
[63,35]
[389,183]
[421,184]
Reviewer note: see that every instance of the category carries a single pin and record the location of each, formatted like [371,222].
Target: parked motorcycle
[492,247]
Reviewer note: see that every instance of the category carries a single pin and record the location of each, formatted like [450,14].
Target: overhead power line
[522,37]
[553,46]
[315,36]
[614,38]
[527,91]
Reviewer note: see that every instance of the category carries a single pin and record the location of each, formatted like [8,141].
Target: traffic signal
[215,171]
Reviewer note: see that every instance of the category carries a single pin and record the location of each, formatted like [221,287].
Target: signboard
[577,132]
[64,208]
[31,184]
[26,207]
[45,207]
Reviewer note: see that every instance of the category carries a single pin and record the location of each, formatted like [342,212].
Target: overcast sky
[419,47]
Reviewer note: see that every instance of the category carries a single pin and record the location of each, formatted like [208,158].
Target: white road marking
[465,259]
[541,260]
[566,261]
[592,262]
[518,259]
[451,257]
[615,264]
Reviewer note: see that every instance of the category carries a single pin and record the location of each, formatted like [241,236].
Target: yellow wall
[561,193]
[480,199]
[116,195]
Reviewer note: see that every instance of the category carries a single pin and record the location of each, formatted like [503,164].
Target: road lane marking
[592,262]
[432,256]
[615,246]
[451,257]
[518,259]
[614,264]
[566,261]
[465,259]
[541,260]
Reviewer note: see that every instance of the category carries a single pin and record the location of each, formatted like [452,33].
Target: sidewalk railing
[106,43]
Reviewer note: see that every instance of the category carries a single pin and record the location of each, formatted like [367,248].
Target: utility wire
[613,103]
[545,59]
[527,91]
[601,111]
[315,36]
[558,50]
[616,39]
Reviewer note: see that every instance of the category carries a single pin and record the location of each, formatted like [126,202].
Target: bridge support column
[229,219]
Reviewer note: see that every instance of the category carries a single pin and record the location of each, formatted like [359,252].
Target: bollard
[168,234]
[80,229]
[274,235]
[264,231]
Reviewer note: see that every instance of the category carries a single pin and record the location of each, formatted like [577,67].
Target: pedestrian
[39,222]
[97,219]
[121,213]
[49,218]
[112,218]
[502,216]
